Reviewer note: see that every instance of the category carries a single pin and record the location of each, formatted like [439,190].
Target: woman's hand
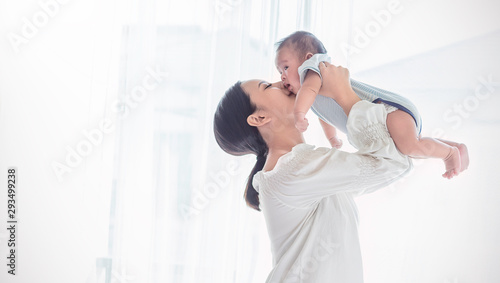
[336,84]
[335,80]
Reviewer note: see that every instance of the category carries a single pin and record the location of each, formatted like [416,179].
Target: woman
[306,193]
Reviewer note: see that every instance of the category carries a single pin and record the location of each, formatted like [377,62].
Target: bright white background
[155,200]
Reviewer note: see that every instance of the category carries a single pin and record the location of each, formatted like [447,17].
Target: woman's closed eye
[264,83]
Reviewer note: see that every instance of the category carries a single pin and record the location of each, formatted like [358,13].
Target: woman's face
[272,99]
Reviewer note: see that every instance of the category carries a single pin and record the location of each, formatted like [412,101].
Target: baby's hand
[335,142]
[301,122]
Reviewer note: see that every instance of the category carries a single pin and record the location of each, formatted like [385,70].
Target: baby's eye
[286,68]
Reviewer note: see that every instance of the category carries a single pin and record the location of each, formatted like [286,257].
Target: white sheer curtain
[178,213]
[155,199]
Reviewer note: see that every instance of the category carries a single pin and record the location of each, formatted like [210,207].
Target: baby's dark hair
[302,42]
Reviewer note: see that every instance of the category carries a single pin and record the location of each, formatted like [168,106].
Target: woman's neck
[279,146]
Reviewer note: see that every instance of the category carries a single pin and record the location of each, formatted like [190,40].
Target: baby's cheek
[295,83]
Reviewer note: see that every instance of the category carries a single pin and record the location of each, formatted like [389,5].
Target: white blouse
[307,200]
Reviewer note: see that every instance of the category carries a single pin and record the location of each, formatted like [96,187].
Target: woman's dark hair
[302,42]
[236,137]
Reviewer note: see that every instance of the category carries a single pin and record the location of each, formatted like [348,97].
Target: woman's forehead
[251,85]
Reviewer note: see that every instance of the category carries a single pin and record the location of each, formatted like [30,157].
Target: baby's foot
[335,142]
[452,163]
[464,156]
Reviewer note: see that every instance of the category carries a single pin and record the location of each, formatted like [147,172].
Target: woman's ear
[309,55]
[258,119]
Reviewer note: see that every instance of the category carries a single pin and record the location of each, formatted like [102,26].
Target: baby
[302,51]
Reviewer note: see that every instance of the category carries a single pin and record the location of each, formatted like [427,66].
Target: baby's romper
[330,111]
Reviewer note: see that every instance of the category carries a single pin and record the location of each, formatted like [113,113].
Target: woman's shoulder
[303,151]
[299,156]
[293,164]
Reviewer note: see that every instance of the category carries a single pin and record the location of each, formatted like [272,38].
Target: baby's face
[288,63]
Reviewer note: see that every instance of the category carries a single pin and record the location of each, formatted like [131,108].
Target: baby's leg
[401,126]
[331,134]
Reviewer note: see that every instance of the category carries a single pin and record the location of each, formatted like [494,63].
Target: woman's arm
[316,173]
[313,174]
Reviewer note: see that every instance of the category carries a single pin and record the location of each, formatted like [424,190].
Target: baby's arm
[331,134]
[305,99]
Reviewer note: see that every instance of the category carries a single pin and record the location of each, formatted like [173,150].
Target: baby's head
[291,52]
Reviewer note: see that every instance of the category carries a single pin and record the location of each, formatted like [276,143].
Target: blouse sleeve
[313,65]
[322,172]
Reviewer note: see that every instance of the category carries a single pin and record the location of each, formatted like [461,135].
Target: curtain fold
[179,209]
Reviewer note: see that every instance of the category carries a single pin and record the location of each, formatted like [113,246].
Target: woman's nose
[278,84]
